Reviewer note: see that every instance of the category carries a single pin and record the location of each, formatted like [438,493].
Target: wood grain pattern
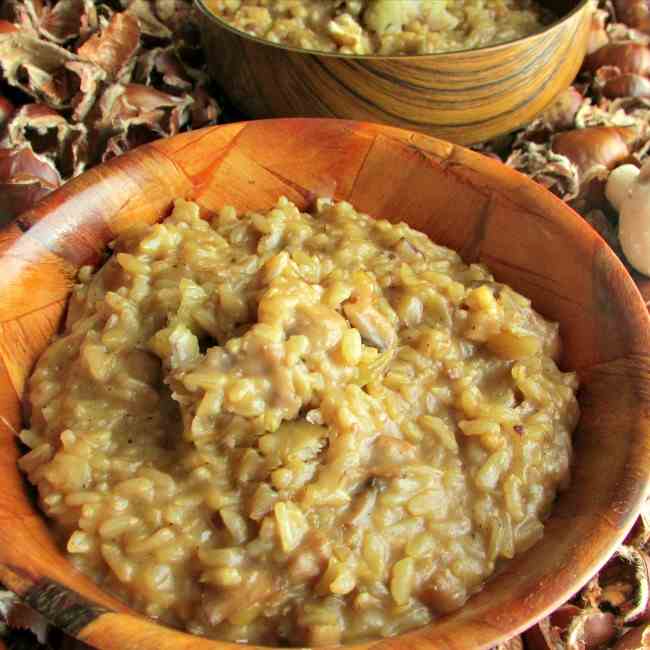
[531,240]
[464,97]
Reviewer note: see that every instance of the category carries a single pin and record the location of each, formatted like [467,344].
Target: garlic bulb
[628,190]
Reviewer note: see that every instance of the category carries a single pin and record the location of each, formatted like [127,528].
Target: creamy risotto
[292,428]
[386,27]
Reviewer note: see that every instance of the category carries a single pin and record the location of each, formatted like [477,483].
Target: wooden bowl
[465,97]
[475,205]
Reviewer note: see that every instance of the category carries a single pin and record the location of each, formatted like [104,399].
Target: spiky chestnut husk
[625,584]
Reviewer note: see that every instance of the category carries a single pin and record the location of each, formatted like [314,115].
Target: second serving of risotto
[292,428]
[385,27]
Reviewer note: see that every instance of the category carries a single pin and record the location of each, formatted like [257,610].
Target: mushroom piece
[25,178]
[628,190]
[114,48]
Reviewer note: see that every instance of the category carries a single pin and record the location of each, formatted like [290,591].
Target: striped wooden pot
[465,97]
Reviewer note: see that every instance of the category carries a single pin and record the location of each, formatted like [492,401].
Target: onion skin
[115,48]
[22,163]
[25,178]
[20,197]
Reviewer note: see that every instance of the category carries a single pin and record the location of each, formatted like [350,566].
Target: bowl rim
[221,23]
[22,583]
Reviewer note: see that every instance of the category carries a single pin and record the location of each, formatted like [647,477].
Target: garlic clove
[619,184]
[634,227]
